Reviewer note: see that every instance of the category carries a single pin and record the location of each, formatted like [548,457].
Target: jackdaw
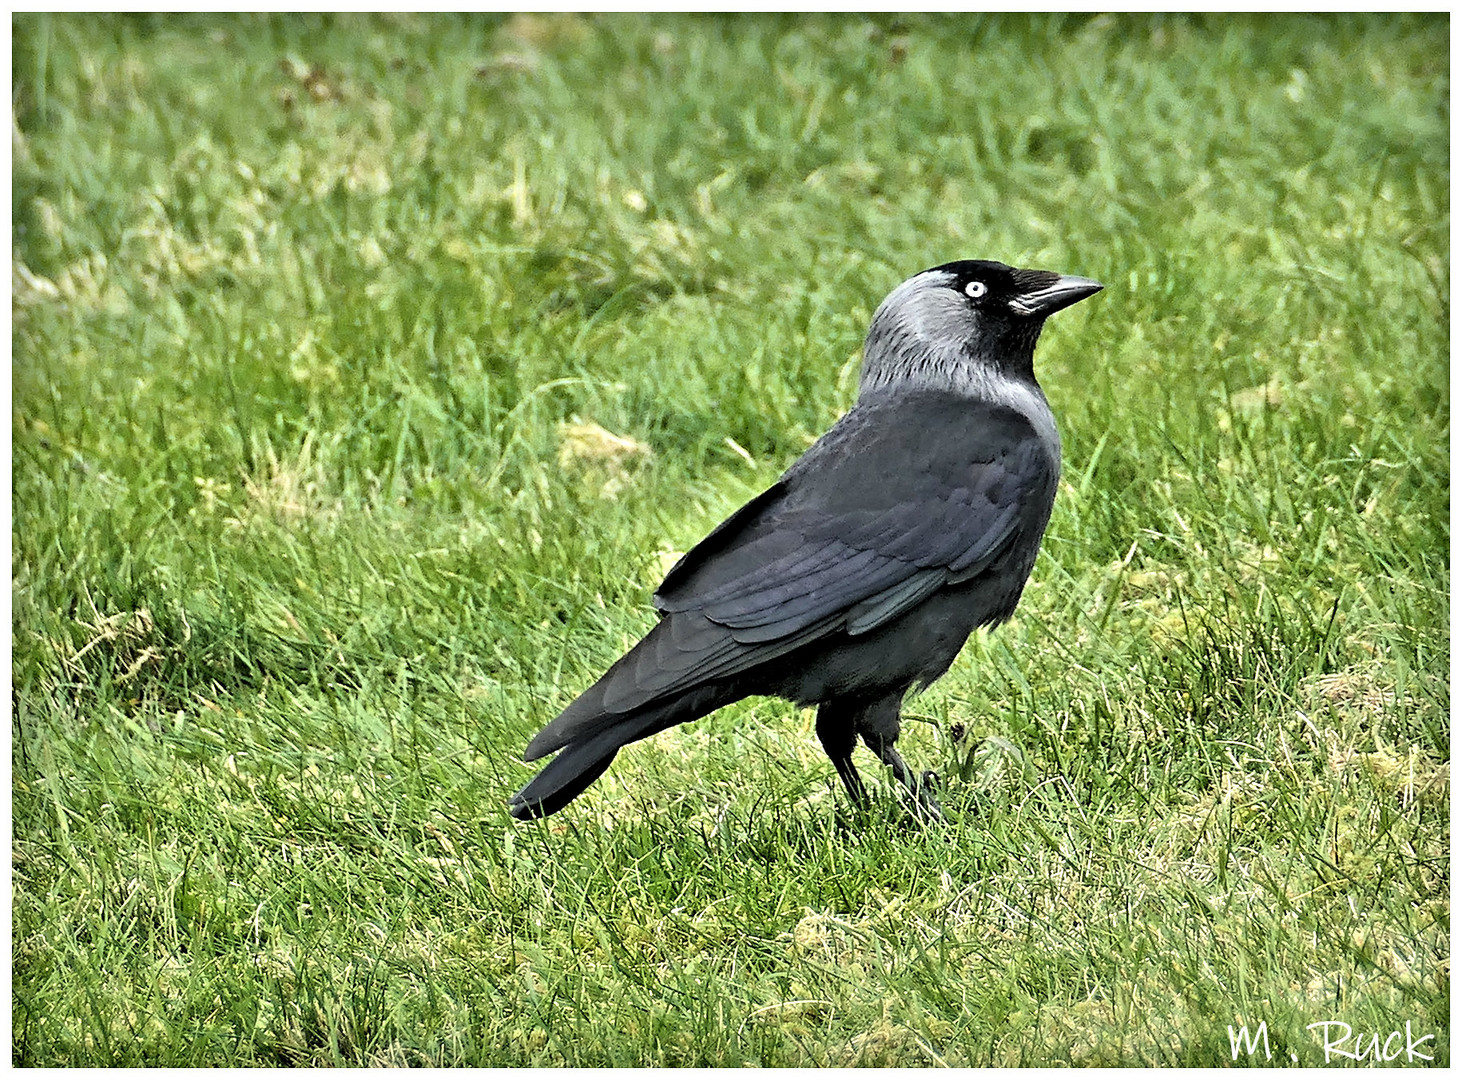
[860,573]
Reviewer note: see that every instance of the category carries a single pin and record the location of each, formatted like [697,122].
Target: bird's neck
[892,372]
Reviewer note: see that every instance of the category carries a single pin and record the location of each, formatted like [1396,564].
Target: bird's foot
[920,788]
[926,800]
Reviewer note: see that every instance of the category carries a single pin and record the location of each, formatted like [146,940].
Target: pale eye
[976,289]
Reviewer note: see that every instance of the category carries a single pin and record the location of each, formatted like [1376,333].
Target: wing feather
[893,602]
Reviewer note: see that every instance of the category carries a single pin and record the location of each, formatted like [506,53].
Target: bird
[858,576]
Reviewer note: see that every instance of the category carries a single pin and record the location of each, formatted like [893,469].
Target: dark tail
[583,760]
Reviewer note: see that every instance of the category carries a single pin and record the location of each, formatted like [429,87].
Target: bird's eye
[976,289]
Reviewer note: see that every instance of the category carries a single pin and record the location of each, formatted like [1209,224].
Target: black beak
[1054,293]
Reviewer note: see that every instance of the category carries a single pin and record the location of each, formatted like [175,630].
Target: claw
[926,800]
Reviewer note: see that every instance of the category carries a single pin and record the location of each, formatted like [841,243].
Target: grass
[368,372]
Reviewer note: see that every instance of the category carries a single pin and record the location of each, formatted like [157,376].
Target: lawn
[368,373]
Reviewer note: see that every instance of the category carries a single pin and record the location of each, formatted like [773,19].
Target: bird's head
[964,325]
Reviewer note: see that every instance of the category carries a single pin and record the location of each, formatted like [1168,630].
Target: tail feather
[582,761]
[655,674]
[561,782]
[683,658]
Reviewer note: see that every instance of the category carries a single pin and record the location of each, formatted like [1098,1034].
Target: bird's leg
[836,732]
[879,725]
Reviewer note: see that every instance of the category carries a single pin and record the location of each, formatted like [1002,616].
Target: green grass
[311,535]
